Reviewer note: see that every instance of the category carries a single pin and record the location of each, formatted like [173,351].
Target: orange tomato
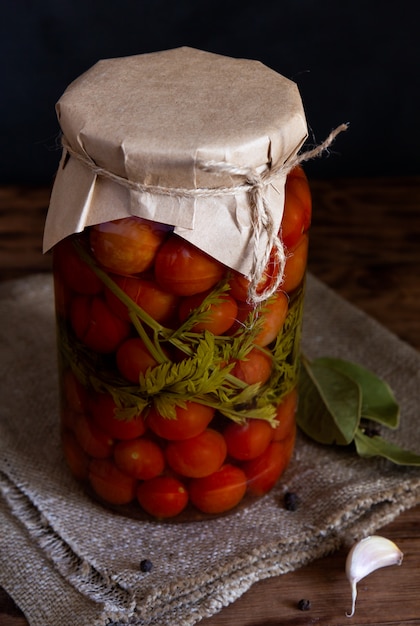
[132,358]
[128,245]
[199,456]
[249,440]
[163,496]
[297,208]
[273,316]
[189,422]
[184,270]
[219,316]
[285,415]
[140,458]
[254,368]
[95,325]
[263,472]
[110,483]
[220,491]
[296,265]
[73,271]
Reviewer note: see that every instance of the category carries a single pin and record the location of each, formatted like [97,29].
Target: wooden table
[365,244]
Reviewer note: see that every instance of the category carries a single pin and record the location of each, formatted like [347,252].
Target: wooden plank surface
[365,244]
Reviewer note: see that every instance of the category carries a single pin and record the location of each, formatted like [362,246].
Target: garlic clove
[365,557]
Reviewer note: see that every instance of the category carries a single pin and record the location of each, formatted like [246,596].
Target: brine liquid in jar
[177,396]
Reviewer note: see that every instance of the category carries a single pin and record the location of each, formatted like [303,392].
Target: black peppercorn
[291,501]
[304,605]
[146,565]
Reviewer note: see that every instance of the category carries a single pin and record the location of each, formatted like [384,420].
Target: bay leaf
[329,406]
[378,401]
[377,446]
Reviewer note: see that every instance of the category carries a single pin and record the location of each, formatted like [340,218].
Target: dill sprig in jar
[179,223]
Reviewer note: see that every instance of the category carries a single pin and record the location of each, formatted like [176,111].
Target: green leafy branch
[338,403]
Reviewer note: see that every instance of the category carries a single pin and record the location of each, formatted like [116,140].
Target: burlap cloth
[68,562]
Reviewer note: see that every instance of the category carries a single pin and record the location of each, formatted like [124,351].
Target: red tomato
[184,270]
[74,394]
[139,458]
[296,265]
[189,422]
[297,209]
[286,416]
[110,483]
[163,496]
[219,317]
[249,440]
[96,326]
[94,441]
[273,315]
[158,303]
[75,456]
[264,471]
[254,368]
[103,408]
[132,358]
[199,456]
[128,245]
[239,284]
[219,492]
[74,272]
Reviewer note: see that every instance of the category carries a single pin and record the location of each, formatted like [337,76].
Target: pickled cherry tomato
[158,303]
[273,316]
[95,325]
[163,496]
[75,395]
[140,458]
[254,368]
[104,414]
[285,415]
[297,208]
[249,440]
[189,422]
[74,272]
[219,316]
[92,439]
[295,265]
[128,245]
[264,471]
[110,483]
[220,491]
[184,270]
[199,456]
[132,358]
[239,284]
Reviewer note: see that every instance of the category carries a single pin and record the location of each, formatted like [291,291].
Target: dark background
[354,61]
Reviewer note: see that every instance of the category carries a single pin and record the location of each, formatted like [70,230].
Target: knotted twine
[254,183]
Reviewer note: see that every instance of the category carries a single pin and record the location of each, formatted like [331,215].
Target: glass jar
[159,355]
[178,359]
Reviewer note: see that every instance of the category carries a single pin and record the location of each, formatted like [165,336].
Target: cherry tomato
[286,416]
[163,496]
[264,471]
[76,458]
[219,317]
[296,265]
[183,269]
[140,458]
[273,315]
[104,414]
[249,440]
[158,303]
[297,208]
[94,441]
[132,358]
[220,491]
[75,395]
[239,284]
[254,368]
[110,483]
[128,245]
[199,456]
[96,326]
[62,296]
[189,422]
[74,272]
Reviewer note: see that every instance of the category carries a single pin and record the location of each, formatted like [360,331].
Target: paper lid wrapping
[138,130]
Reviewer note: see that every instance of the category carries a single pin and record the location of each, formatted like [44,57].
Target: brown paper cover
[153,120]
